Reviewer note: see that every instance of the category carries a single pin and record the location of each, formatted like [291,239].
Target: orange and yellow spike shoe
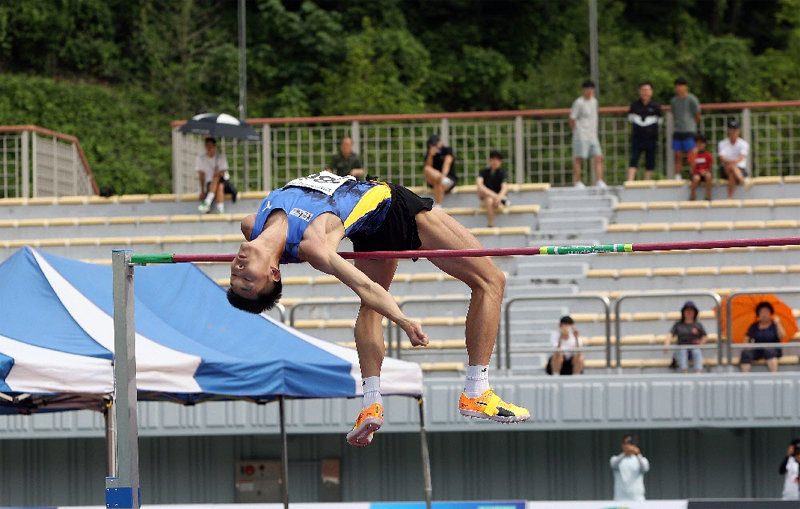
[490,406]
[369,421]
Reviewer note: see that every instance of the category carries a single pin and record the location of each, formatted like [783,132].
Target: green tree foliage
[383,72]
[115,72]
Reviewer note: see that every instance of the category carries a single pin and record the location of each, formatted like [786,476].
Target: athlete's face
[646,93]
[251,272]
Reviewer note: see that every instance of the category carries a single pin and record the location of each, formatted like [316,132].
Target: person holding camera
[629,468]
[790,470]
[566,360]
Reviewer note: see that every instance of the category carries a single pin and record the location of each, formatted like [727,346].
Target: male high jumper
[306,220]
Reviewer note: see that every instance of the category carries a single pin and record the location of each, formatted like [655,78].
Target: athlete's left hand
[415,333]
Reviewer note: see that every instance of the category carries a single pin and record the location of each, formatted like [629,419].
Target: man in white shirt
[629,468]
[566,359]
[733,152]
[212,169]
[790,470]
[583,119]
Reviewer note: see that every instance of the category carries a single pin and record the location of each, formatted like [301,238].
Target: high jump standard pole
[123,490]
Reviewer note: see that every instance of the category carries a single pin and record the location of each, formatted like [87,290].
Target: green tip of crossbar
[142,259]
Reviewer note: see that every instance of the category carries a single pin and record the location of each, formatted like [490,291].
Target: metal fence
[537,144]
[38,162]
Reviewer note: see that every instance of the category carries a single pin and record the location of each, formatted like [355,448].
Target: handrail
[548,112]
[507,318]
[422,300]
[729,318]
[645,295]
[60,136]
[281,311]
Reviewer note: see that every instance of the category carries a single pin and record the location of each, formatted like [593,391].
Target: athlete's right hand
[415,333]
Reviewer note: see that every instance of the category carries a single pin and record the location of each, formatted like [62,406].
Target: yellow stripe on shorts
[369,202]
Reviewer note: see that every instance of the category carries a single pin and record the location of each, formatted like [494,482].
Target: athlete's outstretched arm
[371,293]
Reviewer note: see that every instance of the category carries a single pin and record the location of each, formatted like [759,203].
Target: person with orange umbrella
[767,329]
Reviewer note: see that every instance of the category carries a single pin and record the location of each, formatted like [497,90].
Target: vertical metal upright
[594,63]
[243,87]
[122,490]
[284,456]
[426,459]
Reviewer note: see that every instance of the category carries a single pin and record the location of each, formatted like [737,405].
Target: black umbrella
[219,125]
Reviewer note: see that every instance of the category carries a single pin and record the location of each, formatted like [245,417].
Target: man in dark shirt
[346,162]
[492,186]
[439,169]
[645,115]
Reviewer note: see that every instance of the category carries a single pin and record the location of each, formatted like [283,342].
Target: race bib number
[324,182]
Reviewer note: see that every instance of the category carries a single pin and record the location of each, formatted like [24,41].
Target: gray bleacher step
[551,269]
[529,363]
[559,237]
[119,209]
[581,201]
[529,290]
[710,214]
[758,191]
[533,279]
[576,212]
[573,224]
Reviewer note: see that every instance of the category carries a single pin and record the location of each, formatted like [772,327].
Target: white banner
[610,504]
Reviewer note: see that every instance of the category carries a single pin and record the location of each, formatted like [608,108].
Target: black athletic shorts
[566,366]
[398,232]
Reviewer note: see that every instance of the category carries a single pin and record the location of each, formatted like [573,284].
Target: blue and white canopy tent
[57,342]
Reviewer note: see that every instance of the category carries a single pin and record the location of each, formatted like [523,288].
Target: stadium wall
[504,464]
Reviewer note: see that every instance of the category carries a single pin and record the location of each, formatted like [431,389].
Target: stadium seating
[88,228]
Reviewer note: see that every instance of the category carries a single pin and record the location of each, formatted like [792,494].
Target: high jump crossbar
[143,259]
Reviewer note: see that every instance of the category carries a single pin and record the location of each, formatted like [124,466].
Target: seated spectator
[688,331]
[492,186]
[767,329]
[733,153]
[212,169]
[346,162]
[439,169]
[700,159]
[566,359]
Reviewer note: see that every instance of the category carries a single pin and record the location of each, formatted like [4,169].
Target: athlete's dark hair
[766,305]
[264,302]
[645,83]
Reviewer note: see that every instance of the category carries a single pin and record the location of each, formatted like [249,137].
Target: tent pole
[426,459]
[111,439]
[284,457]
[122,490]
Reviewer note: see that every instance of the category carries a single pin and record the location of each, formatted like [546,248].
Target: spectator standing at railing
[767,329]
[346,162]
[688,331]
[492,186]
[212,170]
[790,470]
[440,169]
[645,116]
[685,110]
[583,119]
[629,468]
[701,161]
[566,359]
[733,153]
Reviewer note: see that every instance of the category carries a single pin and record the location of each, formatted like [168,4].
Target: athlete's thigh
[380,271]
[437,230]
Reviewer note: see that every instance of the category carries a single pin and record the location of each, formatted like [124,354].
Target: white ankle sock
[221,207]
[477,381]
[209,198]
[372,391]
